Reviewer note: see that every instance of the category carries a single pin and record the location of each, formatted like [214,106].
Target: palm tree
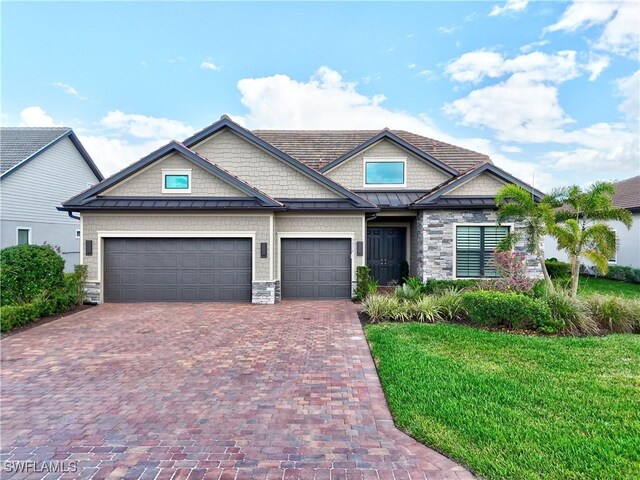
[514,202]
[579,229]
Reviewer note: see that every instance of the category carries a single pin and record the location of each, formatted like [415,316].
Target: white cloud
[509,6]
[448,30]
[596,65]
[629,89]
[411,66]
[69,89]
[621,34]
[208,65]
[36,117]
[428,74]
[510,149]
[143,126]
[533,45]
[112,154]
[536,66]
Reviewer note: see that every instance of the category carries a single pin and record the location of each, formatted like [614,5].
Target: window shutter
[468,251]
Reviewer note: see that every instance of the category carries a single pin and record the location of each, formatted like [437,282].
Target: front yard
[609,287]
[515,406]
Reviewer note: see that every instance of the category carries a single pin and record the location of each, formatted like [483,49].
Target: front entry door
[386,252]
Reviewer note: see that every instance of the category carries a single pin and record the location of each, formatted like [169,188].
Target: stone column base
[265,293]
[92,292]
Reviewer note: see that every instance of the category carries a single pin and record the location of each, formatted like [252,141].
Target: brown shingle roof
[628,193]
[316,148]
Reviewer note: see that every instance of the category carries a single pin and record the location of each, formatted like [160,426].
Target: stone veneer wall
[436,242]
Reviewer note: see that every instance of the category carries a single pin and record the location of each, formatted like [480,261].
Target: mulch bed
[44,320]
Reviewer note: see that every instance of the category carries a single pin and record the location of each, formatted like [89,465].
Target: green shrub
[557,269]
[12,316]
[509,309]
[627,274]
[438,286]
[364,283]
[407,292]
[416,283]
[377,307]
[450,305]
[572,312]
[615,314]
[426,309]
[28,270]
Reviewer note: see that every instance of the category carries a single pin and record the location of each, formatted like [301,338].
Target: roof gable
[172,147]
[226,123]
[452,185]
[392,137]
[20,145]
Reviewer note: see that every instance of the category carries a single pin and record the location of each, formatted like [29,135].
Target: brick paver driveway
[219,391]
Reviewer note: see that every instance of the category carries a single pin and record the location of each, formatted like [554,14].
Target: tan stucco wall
[348,223]
[92,223]
[149,181]
[419,175]
[260,168]
[484,184]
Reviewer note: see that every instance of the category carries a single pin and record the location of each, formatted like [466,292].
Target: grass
[609,287]
[515,407]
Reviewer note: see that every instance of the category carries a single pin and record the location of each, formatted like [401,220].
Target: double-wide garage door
[177,269]
[316,268]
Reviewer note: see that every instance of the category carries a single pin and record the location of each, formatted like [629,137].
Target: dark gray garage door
[177,269]
[316,268]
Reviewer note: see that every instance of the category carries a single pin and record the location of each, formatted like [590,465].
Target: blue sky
[550,87]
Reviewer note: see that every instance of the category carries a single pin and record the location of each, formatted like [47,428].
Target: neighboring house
[41,167]
[235,215]
[627,196]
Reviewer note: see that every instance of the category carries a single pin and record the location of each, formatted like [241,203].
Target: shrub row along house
[236,215]
[41,167]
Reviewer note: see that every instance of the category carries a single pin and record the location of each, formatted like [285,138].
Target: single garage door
[177,269]
[316,268]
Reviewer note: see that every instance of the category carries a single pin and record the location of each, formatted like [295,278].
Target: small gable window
[383,172]
[176,181]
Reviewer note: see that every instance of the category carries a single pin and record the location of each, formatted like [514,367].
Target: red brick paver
[215,391]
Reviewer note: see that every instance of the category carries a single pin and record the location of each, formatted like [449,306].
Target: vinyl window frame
[29,238]
[367,160]
[171,172]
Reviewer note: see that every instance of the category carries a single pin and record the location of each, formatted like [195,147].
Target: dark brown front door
[386,252]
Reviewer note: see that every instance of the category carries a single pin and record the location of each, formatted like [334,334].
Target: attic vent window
[176,181]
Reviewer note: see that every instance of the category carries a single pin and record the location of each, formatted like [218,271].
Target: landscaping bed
[515,406]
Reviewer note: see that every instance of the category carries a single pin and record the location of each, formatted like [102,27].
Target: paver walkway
[222,391]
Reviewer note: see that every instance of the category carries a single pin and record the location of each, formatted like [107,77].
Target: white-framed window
[176,181]
[614,259]
[475,246]
[23,236]
[385,172]
[77,233]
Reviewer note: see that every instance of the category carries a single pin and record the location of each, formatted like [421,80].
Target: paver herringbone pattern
[222,391]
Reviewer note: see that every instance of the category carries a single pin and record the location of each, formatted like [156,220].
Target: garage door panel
[203,269]
[316,268]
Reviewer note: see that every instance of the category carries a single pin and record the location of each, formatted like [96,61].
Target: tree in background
[579,229]
[514,202]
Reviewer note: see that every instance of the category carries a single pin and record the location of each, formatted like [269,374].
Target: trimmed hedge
[29,270]
[435,287]
[57,301]
[509,309]
[557,269]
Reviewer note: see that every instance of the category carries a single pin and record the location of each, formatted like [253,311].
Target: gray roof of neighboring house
[628,194]
[18,145]
[317,148]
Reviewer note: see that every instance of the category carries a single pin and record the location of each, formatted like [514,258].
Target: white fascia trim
[511,226]
[383,185]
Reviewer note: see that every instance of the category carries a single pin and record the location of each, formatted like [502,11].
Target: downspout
[73,216]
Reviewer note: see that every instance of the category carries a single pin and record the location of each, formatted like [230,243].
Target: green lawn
[603,285]
[515,407]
